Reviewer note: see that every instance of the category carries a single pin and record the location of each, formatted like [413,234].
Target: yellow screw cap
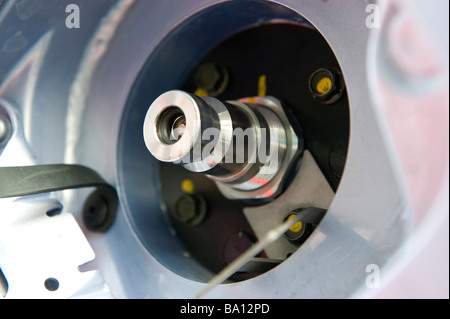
[187,186]
[297,226]
[324,85]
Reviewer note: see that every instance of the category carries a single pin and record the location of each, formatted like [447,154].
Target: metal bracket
[100,208]
[308,189]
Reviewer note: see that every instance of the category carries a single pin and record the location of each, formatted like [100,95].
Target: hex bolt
[326,85]
[213,78]
[190,209]
[298,232]
[99,212]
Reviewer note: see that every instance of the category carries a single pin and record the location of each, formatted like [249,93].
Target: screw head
[190,209]
[298,233]
[326,85]
[212,78]
[99,211]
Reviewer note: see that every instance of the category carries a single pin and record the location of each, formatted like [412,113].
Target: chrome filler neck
[245,146]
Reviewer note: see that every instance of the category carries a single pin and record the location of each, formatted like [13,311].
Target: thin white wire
[245,257]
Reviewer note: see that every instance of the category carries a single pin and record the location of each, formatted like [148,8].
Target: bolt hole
[51,284]
[54,212]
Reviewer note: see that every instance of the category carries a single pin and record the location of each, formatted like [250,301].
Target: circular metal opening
[170,125]
[51,284]
[150,190]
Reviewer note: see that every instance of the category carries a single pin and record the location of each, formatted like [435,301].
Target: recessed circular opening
[170,125]
[54,212]
[262,45]
[51,284]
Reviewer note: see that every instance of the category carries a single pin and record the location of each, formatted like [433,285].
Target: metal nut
[294,148]
[190,209]
[212,78]
[326,86]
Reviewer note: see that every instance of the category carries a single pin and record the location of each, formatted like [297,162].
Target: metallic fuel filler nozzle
[245,146]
